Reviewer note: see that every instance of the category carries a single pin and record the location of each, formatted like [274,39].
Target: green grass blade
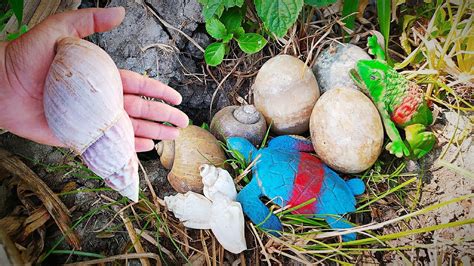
[76,223]
[348,13]
[383,13]
[91,190]
[404,184]
[412,232]
[78,253]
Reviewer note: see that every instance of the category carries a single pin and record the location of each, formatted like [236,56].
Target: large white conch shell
[218,212]
[83,103]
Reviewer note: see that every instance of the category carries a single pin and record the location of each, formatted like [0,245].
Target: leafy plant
[278,15]
[225,22]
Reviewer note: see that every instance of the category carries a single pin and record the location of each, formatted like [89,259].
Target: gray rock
[203,40]
[138,30]
[157,175]
[184,15]
[334,63]
[169,57]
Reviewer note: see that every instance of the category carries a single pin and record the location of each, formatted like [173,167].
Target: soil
[442,184]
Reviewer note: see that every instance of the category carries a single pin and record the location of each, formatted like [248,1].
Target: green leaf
[251,42]
[404,40]
[232,19]
[383,13]
[278,15]
[17,7]
[216,29]
[349,7]
[219,11]
[227,48]
[6,16]
[239,32]
[211,8]
[320,3]
[214,53]
[205,126]
[227,38]
[232,3]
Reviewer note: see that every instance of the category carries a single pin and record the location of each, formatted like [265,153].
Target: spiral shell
[218,183]
[184,156]
[83,103]
[239,121]
[216,210]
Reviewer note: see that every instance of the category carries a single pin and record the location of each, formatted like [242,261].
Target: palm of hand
[26,65]
[26,73]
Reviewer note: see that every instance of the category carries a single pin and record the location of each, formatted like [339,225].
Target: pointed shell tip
[131,193]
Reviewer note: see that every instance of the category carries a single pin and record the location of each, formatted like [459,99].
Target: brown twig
[136,240]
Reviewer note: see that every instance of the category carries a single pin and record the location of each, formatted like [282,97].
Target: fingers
[134,83]
[140,108]
[142,144]
[151,130]
[84,22]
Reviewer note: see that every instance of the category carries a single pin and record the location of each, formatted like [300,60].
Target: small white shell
[218,212]
[193,209]
[228,225]
[217,183]
[83,103]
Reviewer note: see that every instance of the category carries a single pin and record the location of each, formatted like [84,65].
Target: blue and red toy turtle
[288,174]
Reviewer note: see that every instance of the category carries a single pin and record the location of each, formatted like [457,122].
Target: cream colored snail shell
[184,156]
[83,104]
[239,121]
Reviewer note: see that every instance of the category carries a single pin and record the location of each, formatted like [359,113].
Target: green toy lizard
[400,102]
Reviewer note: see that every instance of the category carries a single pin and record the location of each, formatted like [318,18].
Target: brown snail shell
[239,121]
[184,156]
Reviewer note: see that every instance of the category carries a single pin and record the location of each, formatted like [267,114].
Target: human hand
[24,65]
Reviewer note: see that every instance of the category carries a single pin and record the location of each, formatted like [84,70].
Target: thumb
[43,37]
[84,22]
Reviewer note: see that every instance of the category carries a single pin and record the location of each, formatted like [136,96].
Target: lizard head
[369,75]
